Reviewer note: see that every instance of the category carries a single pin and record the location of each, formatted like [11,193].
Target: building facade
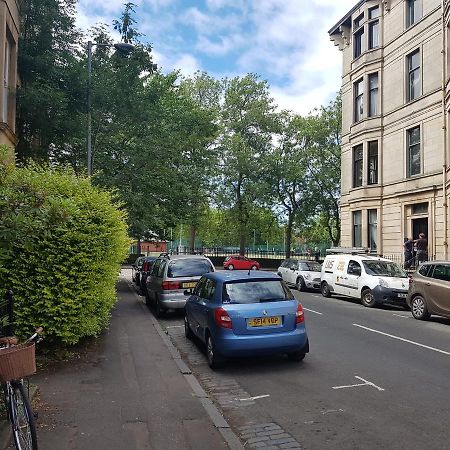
[395,124]
[9,37]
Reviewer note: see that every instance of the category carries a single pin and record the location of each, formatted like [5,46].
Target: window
[419,208]
[413,12]
[372,163]
[372,228]
[359,100]
[374,39]
[358,36]
[373,94]
[354,268]
[357,229]
[413,151]
[357,165]
[413,81]
[441,272]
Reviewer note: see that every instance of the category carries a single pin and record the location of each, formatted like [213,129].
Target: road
[374,378]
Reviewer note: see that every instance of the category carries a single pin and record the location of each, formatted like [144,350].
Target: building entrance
[419,226]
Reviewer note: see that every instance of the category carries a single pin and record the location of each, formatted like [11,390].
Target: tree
[248,120]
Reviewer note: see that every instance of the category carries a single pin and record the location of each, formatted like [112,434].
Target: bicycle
[18,361]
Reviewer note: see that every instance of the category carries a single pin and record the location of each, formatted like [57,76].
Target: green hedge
[62,242]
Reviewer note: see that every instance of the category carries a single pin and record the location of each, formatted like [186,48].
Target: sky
[285,42]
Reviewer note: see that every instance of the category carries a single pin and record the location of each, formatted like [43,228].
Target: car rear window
[194,267]
[259,291]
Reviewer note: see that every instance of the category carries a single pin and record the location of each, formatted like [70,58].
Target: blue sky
[284,41]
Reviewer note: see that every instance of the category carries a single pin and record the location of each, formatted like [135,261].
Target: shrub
[62,241]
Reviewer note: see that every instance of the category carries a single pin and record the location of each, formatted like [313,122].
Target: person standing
[422,248]
[408,247]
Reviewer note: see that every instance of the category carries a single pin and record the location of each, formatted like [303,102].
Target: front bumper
[312,284]
[390,295]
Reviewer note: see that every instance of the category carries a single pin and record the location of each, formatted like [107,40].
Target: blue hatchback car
[242,313]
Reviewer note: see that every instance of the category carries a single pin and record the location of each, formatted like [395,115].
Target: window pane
[372,219]
[358,22]
[358,43]
[414,60]
[373,163]
[373,95]
[374,12]
[414,160]
[357,221]
[357,166]
[414,136]
[373,34]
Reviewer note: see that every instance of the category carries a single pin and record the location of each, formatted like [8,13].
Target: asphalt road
[374,378]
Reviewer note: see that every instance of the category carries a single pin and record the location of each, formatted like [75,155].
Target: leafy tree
[248,121]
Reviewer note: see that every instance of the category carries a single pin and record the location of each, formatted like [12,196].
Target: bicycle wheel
[21,418]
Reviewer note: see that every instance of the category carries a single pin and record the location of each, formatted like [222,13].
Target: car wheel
[419,308]
[254,267]
[301,286]
[158,310]
[147,299]
[187,329]
[230,267]
[215,361]
[367,298]
[325,289]
[297,356]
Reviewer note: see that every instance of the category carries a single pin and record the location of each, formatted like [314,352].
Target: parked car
[238,314]
[136,269]
[371,279]
[239,262]
[429,290]
[147,265]
[170,276]
[300,274]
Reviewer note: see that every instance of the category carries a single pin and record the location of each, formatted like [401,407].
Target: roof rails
[348,251]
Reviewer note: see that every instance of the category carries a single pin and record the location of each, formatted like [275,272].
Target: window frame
[373,91]
[411,12]
[358,36]
[372,225]
[371,157]
[371,24]
[410,95]
[357,229]
[358,97]
[358,164]
[409,147]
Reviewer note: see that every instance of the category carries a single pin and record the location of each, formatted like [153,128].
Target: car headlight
[383,283]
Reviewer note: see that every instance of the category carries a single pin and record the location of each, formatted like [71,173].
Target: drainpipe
[444,129]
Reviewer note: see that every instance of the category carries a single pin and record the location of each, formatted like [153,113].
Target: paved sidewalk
[126,393]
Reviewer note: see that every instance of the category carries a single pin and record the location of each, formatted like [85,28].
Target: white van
[369,278]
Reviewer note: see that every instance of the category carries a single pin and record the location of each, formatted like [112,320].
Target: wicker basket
[17,362]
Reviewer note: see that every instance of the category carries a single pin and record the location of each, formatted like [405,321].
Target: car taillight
[170,285]
[299,316]
[222,318]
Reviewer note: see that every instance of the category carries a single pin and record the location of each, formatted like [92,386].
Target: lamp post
[123,47]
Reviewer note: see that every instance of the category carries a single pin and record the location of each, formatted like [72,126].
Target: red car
[240,263]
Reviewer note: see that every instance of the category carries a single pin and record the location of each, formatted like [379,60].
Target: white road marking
[403,339]
[318,296]
[254,398]
[311,310]
[175,326]
[331,411]
[399,315]
[366,383]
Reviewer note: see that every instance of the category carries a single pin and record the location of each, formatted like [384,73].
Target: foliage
[61,245]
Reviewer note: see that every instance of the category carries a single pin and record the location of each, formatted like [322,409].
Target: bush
[62,242]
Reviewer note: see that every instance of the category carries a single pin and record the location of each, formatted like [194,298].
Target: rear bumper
[231,345]
[172,300]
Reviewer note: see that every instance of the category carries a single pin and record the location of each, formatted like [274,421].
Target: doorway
[420,226]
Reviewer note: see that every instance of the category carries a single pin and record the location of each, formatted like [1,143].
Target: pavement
[128,390]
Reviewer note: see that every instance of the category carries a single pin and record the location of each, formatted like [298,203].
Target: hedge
[62,242]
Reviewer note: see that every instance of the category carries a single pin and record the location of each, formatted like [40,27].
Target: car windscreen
[310,266]
[384,269]
[189,267]
[256,291]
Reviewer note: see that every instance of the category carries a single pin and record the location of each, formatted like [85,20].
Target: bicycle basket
[17,362]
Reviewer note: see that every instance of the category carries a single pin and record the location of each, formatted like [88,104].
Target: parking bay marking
[399,315]
[403,339]
[366,383]
[311,310]
[254,398]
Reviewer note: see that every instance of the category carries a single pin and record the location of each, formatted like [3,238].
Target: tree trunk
[192,240]
[289,234]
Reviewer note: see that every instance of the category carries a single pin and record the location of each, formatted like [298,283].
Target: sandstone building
[395,124]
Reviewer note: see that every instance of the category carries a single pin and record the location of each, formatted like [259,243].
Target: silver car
[170,276]
[300,274]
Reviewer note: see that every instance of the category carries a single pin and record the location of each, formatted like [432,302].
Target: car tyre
[367,298]
[325,289]
[147,299]
[419,308]
[187,329]
[254,267]
[215,360]
[158,310]
[297,356]
[301,286]
[230,267]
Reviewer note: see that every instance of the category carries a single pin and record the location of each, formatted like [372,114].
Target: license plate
[402,295]
[264,321]
[189,285]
